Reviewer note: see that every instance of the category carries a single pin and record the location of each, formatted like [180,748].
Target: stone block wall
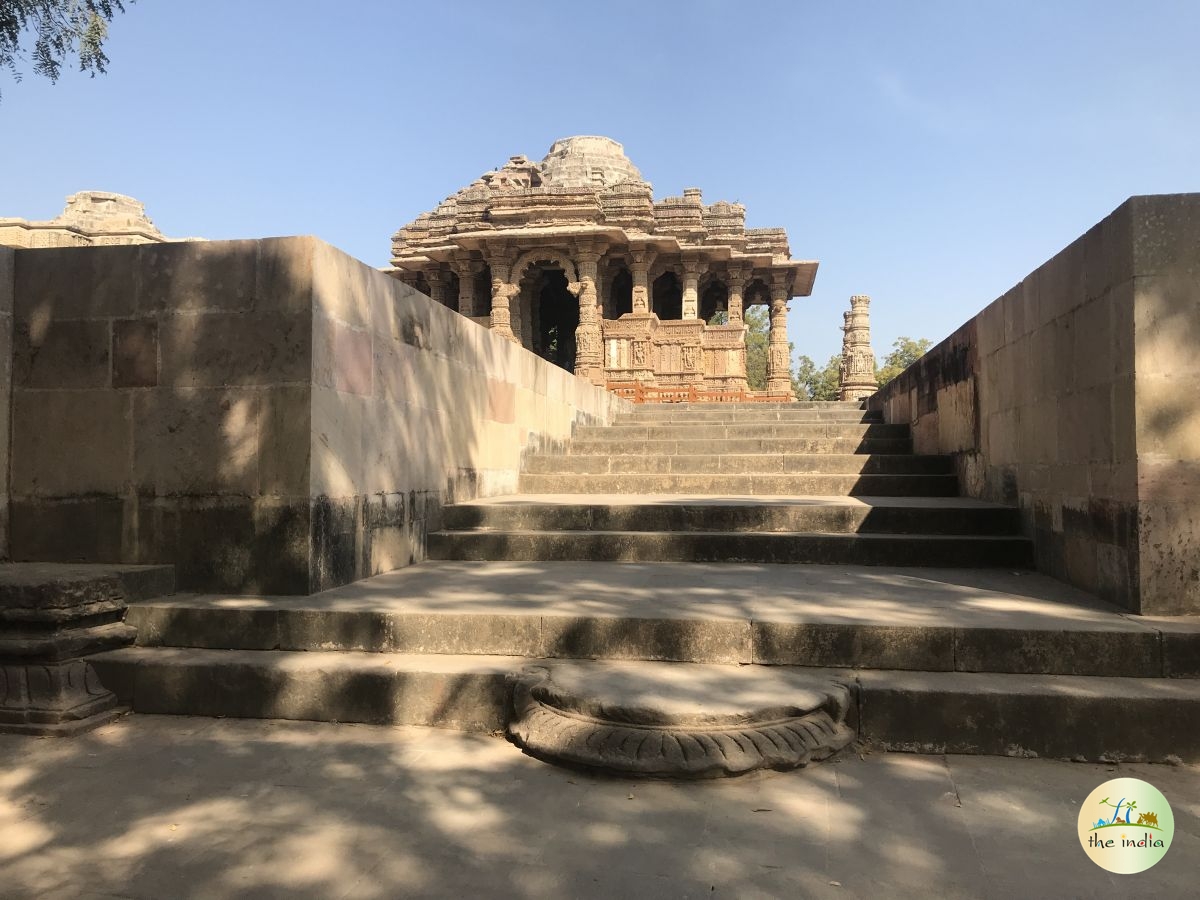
[1077,396]
[7,265]
[270,416]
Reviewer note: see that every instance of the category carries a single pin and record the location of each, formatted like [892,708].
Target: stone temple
[90,219]
[573,259]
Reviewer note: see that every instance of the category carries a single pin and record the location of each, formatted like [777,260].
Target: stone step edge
[1097,649]
[956,551]
[1057,716]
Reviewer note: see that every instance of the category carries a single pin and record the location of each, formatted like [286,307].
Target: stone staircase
[626,611]
[797,483]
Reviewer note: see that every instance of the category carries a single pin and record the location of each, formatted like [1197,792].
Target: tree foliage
[60,29]
[811,383]
[905,352]
[758,327]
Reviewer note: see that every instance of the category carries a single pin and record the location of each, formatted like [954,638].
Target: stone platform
[979,661]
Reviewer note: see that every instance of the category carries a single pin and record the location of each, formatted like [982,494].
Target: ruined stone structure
[857,379]
[573,259]
[91,218]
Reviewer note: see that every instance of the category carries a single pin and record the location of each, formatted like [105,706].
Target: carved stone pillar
[439,286]
[779,374]
[589,349]
[858,359]
[502,293]
[691,285]
[467,271]
[739,279]
[640,269]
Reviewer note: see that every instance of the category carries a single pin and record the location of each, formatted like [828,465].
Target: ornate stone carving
[613,719]
[858,359]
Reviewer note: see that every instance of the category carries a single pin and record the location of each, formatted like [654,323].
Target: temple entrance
[555,318]
[714,299]
[667,296]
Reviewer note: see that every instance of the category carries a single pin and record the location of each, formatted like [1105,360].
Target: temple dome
[587,161]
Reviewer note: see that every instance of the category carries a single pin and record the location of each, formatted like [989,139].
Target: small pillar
[779,354]
[858,359]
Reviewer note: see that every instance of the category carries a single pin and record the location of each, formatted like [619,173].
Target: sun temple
[573,259]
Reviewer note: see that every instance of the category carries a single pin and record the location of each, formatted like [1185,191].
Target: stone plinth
[51,618]
[677,721]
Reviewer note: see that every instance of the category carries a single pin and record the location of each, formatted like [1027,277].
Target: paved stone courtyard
[176,807]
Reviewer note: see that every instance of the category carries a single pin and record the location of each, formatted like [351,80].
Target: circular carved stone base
[677,720]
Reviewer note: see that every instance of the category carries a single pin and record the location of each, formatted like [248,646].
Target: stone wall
[7,260]
[1077,396]
[269,416]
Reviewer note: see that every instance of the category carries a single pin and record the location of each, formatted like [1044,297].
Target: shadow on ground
[168,807]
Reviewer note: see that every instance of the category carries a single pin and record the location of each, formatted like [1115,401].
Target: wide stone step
[940,623]
[725,484]
[610,446]
[718,431]
[701,406]
[741,463]
[1060,716]
[696,546]
[681,513]
[800,417]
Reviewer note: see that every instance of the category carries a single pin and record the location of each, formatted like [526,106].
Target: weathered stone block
[1108,251]
[134,353]
[62,354]
[227,544]
[83,529]
[715,641]
[851,646]
[75,283]
[284,440]
[1167,325]
[1133,653]
[218,350]
[167,625]
[343,289]
[196,442]
[342,357]
[338,426]
[48,427]
[1165,234]
[7,267]
[196,276]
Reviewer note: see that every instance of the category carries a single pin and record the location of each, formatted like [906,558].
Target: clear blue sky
[929,154]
